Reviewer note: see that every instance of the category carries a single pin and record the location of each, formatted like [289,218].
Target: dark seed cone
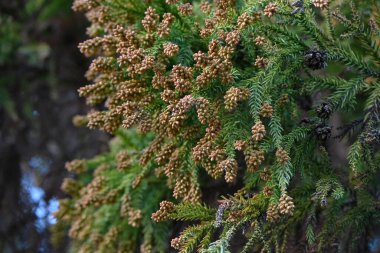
[315,58]
[324,111]
[323,132]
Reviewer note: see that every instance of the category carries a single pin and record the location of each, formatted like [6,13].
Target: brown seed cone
[282,156]
[284,99]
[185,9]
[112,235]
[270,9]
[204,111]
[145,125]
[146,247]
[125,206]
[134,217]
[182,77]
[166,207]
[321,3]
[224,4]
[235,95]
[182,187]
[108,121]
[258,131]
[240,145]
[266,175]
[286,204]
[194,195]
[163,29]
[266,111]
[260,62]
[169,96]
[232,38]
[202,151]
[213,48]
[259,40]
[230,166]
[150,20]
[226,53]
[170,49]
[212,169]
[84,5]
[179,114]
[222,35]
[151,149]
[90,47]
[111,197]
[123,160]
[191,133]
[254,159]
[164,154]
[273,213]
[206,7]
[171,1]
[201,59]
[267,191]
[217,155]
[136,182]
[174,164]
[220,14]
[244,20]
[176,243]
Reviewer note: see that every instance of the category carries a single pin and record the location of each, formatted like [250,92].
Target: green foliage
[188,212]
[248,91]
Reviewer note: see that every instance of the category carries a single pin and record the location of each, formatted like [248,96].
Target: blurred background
[40,72]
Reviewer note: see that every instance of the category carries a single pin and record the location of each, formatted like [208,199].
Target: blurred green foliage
[47,9]
[18,49]
[9,39]
[9,43]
